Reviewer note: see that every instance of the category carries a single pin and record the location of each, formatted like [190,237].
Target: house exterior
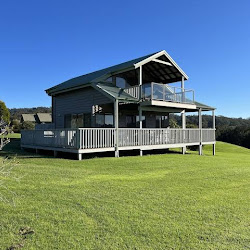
[123,107]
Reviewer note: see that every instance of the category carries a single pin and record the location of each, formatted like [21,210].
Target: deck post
[140,132]
[200,127]
[140,82]
[79,155]
[183,117]
[140,110]
[213,113]
[183,89]
[116,119]
[55,153]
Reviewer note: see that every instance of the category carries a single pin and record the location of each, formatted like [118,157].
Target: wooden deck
[88,140]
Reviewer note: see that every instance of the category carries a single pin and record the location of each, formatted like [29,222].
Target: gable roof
[44,117]
[103,74]
[38,118]
[28,117]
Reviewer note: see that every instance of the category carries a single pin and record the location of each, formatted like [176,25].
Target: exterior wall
[75,102]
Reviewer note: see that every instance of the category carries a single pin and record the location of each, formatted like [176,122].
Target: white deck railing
[97,138]
[133,91]
[161,92]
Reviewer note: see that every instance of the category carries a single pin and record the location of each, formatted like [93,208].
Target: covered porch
[120,137]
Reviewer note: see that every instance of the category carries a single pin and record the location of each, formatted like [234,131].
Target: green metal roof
[115,92]
[94,76]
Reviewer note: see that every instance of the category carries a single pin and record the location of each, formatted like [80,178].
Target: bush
[28,125]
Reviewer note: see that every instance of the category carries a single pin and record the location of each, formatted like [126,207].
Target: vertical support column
[79,156]
[116,114]
[200,128]
[55,153]
[183,116]
[183,89]
[140,132]
[140,82]
[140,110]
[214,131]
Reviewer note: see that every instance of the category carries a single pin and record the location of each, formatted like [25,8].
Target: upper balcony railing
[161,92]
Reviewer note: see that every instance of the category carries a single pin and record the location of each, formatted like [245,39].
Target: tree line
[231,130]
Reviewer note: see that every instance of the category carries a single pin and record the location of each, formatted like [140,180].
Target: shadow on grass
[13,149]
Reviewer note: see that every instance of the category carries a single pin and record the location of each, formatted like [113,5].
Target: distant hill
[15,113]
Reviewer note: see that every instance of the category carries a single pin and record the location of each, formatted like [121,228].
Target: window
[99,120]
[82,120]
[132,121]
[122,83]
[87,120]
[138,121]
[104,120]
[67,121]
[162,121]
[109,121]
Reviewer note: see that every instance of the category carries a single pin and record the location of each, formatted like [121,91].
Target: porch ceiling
[174,107]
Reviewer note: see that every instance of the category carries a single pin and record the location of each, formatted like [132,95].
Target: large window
[82,120]
[133,121]
[162,121]
[104,120]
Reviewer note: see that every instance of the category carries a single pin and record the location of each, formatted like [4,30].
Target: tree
[28,125]
[4,112]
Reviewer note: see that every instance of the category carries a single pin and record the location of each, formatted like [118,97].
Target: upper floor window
[122,83]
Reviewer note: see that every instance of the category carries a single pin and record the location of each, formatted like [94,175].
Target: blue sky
[43,43]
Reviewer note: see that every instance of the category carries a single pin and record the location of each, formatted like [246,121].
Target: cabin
[38,118]
[123,107]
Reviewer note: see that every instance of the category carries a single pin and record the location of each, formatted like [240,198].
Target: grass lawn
[13,136]
[169,201]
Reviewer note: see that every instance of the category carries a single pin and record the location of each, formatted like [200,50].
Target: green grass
[13,136]
[166,201]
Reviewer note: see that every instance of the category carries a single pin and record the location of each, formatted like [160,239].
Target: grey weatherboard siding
[75,102]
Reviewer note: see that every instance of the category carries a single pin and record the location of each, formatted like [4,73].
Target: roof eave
[51,92]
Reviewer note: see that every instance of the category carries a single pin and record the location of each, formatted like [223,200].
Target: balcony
[161,92]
